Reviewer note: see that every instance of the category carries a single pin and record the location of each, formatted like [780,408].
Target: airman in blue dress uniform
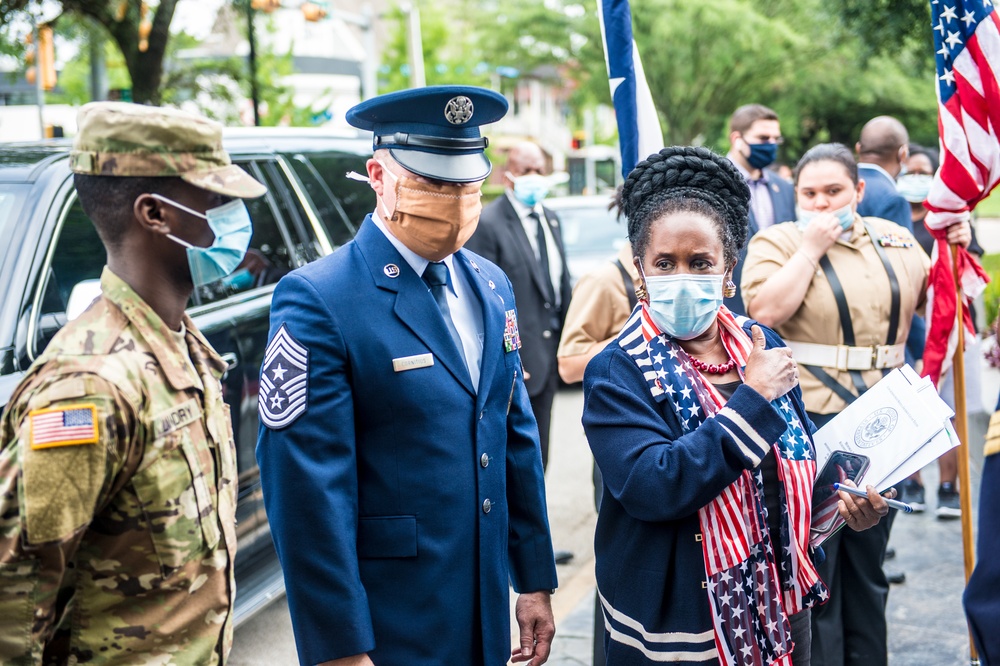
[399,456]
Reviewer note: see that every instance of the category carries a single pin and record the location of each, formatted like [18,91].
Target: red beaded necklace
[713,368]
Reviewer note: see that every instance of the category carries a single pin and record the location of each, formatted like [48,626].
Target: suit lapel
[415,306]
[516,228]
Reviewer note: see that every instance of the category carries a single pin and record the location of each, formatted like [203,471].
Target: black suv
[51,259]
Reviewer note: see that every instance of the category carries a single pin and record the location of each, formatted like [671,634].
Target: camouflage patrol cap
[121,139]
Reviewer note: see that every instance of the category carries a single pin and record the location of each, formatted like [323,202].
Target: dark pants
[541,406]
[982,603]
[802,637]
[850,628]
[599,658]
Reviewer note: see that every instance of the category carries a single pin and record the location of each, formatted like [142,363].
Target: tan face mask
[433,220]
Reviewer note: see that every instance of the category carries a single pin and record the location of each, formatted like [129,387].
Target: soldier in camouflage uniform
[117,463]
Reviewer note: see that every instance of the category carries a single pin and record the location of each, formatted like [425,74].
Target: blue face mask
[844,215]
[232,228]
[530,189]
[684,306]
[914,187]
[762,154]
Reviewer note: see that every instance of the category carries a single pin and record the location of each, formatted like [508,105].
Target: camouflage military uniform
[116,545]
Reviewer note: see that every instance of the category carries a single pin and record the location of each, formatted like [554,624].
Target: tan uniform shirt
[866,287]
[599,307]
[118,496]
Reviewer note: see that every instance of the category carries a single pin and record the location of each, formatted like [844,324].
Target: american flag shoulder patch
[67,425]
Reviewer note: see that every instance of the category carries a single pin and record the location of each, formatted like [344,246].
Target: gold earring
[640,293]
[730,289]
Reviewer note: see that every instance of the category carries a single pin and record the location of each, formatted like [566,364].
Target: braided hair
[687,179]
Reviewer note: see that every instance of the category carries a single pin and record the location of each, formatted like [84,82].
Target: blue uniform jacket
[401,501]
[650,564]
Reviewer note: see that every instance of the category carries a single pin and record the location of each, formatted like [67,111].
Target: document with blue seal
[900,425]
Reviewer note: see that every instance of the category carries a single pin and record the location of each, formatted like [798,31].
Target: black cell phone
[841,466]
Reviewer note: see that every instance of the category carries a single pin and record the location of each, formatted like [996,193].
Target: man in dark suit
[754,137]
[882,149]
[523,238]
[399,457]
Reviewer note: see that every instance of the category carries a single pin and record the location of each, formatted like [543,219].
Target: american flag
[53,427]
[967,39]
[639,130]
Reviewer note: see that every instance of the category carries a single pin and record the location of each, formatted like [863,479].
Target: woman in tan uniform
[841,290]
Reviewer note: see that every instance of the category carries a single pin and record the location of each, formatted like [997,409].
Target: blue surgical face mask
[914,187]
[844,215]
[232,228]
[530,189]
[684,306]
[762,154]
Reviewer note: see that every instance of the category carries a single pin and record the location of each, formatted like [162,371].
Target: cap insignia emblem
[458,110]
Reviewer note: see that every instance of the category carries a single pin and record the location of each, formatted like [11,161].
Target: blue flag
[639,131]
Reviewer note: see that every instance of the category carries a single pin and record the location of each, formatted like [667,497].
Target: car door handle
[231,362]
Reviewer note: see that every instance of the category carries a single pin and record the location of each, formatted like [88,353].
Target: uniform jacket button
[484,460]
[546,334]
[487,505]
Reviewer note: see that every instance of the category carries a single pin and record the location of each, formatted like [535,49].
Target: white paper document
[900,424]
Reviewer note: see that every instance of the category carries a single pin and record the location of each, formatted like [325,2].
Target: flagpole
[962,428]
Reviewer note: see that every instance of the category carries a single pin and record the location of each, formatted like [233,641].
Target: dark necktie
[436,277]
[543,256]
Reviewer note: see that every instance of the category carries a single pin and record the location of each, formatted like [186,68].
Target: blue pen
[893,504]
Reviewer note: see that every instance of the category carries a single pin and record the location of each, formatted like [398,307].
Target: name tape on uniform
[176,418]
[63,426]
[412,362]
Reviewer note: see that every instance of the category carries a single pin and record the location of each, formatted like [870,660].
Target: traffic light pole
[254,92]
[39,84]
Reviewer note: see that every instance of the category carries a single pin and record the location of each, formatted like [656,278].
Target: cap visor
[231,181]
[449,168]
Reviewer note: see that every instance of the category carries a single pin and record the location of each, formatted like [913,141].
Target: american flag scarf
[751,591]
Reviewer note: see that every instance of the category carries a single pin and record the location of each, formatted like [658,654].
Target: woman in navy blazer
[697,423]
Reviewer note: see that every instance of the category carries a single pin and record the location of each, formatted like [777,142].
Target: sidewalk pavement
[926,621]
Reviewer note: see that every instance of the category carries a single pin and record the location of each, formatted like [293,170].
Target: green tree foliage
[881,25]
[485,42]
[704,60]
[811,60]
[121,19]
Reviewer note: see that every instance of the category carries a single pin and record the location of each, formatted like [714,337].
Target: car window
[268,257]
[590,229]
[356,198]
[77,258]
[11,199]
[339,227]
[305,247]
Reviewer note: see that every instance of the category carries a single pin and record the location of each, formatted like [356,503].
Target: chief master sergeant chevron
[117,463]
[399,457]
